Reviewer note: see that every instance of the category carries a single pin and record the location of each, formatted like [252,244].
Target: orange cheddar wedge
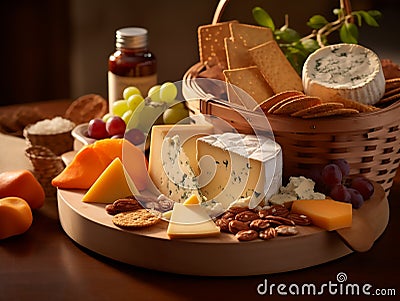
[90,162]
[327,214]
[82,172]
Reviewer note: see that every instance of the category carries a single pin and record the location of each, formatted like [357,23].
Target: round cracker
[352,104]
[322,107]
[135,219]
[392,83]
[388,99]
[271,101]
[297,104]
[278,105]
[392,92]
[333,112]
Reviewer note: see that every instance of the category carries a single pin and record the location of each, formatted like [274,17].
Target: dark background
[59,49]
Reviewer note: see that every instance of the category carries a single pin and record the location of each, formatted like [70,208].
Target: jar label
[117,84]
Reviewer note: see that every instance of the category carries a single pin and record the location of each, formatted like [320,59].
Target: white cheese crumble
[298,188]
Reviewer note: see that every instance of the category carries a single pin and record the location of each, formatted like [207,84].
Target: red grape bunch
[340,187]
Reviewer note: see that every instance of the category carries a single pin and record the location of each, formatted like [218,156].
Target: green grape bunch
[298,48]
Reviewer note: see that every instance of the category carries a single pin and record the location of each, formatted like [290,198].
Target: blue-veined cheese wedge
[236,165]
[346,70]
[172,160]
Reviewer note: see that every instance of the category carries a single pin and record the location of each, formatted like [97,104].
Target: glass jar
[132,64]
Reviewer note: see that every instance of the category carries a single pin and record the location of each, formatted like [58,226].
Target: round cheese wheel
[346,70]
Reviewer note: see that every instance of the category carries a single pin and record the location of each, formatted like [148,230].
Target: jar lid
[131,37]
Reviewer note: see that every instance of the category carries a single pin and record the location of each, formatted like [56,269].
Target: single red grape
[343,165]
[340,193]
[135,136]
[97,129]
[331,175]
[363,185]
[115,125]
[357,199]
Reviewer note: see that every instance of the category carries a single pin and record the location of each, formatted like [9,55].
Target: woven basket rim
[349,123]
[47,153]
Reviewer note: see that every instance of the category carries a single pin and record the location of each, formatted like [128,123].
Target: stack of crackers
[258,74]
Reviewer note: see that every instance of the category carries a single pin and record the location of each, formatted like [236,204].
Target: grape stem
[343,16]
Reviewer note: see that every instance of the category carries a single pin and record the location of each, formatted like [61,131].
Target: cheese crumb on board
[298,188]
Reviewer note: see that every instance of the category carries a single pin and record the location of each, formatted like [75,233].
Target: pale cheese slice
[191,221]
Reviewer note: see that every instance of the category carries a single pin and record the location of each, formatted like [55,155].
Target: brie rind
[346,70]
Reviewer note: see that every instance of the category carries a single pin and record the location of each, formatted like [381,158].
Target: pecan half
[246,235]
[246,216]
[279,220]
[223,224]
[236,226]
[259,224]
[268,233]
[237,209]
[276,210]
[228,216]
[123,205]
[286,230]
[299,219]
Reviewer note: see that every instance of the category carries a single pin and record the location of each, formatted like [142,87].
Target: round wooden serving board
[90,226]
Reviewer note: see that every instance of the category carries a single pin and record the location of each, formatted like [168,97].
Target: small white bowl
[81,138]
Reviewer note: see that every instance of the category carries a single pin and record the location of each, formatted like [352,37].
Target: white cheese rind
[347,70]
[236,165]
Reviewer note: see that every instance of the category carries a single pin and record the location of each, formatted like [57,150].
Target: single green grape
[175,114]
[135,101]
[129,91]
[154,93]
[106,117]
[168,92]
[127,116]
[119,107]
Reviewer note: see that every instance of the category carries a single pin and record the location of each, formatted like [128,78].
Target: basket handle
[219,10]
[345,4]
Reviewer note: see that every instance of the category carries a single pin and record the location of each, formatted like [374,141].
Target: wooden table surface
[45,264]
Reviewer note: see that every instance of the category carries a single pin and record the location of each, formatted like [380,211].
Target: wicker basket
[46,166]
[57,143]
[370,142]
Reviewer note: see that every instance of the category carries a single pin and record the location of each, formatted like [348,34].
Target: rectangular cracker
[252,82]
[275,68]
[211,42]
[250,35]
[237,55]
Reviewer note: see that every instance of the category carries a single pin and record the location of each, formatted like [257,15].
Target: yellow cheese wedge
[111,185]
[193,199]
[327,214]
[190,221]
